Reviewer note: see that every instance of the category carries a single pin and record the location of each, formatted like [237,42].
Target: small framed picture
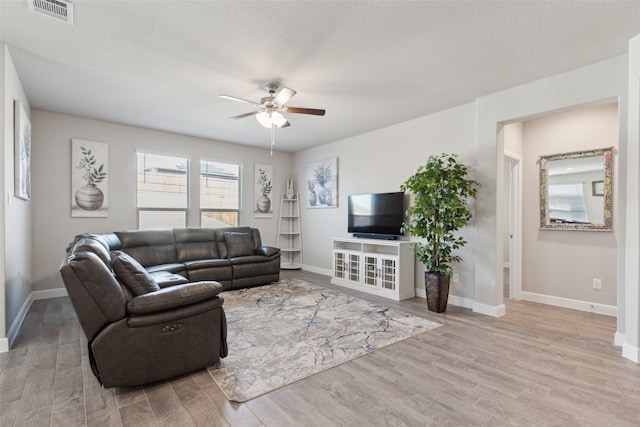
[597,188]
[22,153]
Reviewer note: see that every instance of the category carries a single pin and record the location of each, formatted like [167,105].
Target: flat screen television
[376,215]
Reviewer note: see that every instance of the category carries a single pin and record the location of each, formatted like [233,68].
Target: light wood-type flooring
[536,366]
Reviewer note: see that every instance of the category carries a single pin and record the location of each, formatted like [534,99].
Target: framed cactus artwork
[89,178]
[322,184]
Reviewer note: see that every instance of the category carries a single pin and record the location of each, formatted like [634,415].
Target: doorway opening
[512,265]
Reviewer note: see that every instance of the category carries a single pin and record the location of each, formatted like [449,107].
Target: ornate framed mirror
[576,191]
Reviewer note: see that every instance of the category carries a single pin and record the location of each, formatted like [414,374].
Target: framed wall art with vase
[22,164]
[89,179]
[322,184]
[263,179]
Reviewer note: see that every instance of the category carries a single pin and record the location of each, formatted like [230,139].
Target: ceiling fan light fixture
[271,118]
[278,119]
[264,119]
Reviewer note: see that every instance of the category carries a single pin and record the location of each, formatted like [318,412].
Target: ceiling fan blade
[242,116]
[235,98]
[284,96]
[298,110]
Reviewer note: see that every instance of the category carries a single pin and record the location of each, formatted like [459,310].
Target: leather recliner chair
[136,339]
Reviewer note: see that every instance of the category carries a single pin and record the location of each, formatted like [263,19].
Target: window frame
[186,209]
[202,210]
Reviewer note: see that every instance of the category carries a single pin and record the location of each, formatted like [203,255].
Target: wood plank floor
[536,366]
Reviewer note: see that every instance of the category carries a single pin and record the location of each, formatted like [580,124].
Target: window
[566,203]
[162,191]
[219,194]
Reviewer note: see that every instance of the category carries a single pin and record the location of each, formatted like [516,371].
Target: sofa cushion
[177,268]
[132,274]
[174,297]
[164,279]
[267,251]
[195,243]
[149,247]
[238,244]
[93,245]
[221,240]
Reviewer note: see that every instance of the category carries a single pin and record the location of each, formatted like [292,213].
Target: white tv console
[380,267]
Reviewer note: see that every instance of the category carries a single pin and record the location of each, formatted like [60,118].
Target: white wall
[53,227]
[563,263]
[628,333]
[16,227]
[4,342]
[379,162]
[605,80]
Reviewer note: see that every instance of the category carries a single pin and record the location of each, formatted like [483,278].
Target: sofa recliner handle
[172,328]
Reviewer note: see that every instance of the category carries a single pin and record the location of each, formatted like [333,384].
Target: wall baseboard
[489,310]
[4,345]
[591,307]
[618,339]
[17,323]
[630,352]
[453,299]
[460,301]
[49,293]
[312,269]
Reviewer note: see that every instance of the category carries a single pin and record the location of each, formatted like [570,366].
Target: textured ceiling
[162,64]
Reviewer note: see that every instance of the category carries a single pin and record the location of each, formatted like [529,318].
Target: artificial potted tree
[441,190]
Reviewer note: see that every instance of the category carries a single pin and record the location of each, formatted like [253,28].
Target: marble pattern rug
[287,331]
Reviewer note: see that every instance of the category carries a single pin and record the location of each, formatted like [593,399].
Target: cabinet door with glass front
[380,271]
[346,265]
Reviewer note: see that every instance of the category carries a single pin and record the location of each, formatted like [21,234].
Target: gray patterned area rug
[281,333]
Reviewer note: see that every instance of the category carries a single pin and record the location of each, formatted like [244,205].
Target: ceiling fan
[270,108]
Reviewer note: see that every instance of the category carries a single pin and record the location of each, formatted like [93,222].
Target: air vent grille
[58,9]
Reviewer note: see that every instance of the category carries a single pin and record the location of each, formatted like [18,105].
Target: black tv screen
[376,214]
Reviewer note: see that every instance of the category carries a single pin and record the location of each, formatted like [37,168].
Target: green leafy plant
[264,182]
[441,192]
[91,174]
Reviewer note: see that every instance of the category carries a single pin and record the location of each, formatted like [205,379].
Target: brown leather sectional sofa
[149,300]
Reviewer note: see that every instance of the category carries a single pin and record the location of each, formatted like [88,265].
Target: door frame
[514,162]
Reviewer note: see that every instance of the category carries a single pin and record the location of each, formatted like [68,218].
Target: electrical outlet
[456,278]
[597,283]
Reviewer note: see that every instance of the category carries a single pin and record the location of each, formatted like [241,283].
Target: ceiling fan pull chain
[273,128]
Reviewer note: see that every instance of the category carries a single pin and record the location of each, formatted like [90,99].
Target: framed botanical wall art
[322,184]
[22,163]
[89,178]
[263,180]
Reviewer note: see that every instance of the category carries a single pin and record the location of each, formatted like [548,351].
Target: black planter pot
[437,287]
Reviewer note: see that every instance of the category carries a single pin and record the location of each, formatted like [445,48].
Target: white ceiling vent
[58,9]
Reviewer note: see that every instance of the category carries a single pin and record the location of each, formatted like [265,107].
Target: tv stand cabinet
[380,267]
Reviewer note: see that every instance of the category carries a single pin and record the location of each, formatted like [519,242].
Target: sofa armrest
[266,251]
[173,297]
